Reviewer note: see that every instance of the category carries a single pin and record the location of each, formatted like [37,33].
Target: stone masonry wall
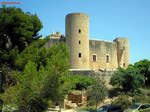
[102,49]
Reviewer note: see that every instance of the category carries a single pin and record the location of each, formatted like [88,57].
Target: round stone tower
[123,54]
[77,38]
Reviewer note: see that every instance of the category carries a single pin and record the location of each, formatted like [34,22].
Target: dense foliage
[123,101]
[143,67]
[18,29]
[129,79]
[79,82]
[39,82]
[132,78]
[32,74]
[97,91]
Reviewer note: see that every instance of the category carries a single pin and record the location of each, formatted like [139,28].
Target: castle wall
[88,54]
[77,38]
[106,55]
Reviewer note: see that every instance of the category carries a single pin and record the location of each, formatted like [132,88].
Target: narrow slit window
[79,55]
[94,58]
[124,65]
[79,42]
[79,30]
[107,59]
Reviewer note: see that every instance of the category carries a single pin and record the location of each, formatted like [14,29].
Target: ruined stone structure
[88,54]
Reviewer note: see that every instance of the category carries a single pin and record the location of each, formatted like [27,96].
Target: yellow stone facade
[88,54]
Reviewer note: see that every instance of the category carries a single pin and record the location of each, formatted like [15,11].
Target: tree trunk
[59,106]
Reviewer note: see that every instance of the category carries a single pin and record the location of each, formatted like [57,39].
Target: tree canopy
[37,83]
[97,91]
[18,29]
[129,79]
[143,67]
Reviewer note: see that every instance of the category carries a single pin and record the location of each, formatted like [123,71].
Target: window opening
[107,59]
[124,64]
[79,42]
[79,31]
[94,57]
[79,55]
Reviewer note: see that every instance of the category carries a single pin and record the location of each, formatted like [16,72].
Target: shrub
[129,79]
[123,101]
[89,108]
[142,95]
[140,98]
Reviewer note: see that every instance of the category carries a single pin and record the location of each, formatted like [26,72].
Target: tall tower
[123,54]
[77,38]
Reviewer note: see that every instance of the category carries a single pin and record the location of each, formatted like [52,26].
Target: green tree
[35,52]
[82,82]
[129,79]
[123,101]
[26,94]
[97,91]
[57,65]
[18,30]
[29,86]
[38,83]
[142,66]
[79,82]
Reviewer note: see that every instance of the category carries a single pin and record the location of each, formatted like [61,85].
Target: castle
[89,54]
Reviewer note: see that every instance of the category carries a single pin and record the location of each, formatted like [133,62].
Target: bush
[129,79]
[114,92]
[89,108]
[140,98]
[122,101]
[142,95]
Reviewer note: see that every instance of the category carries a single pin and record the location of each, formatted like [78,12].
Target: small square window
[79,55]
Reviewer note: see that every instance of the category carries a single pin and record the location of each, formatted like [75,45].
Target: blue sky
[108,19]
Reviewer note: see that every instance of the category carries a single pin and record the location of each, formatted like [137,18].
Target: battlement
[77,14]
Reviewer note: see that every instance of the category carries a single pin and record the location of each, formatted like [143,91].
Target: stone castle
[90,54]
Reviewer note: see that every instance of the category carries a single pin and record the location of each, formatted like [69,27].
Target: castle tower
[77,38]
[123,54]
